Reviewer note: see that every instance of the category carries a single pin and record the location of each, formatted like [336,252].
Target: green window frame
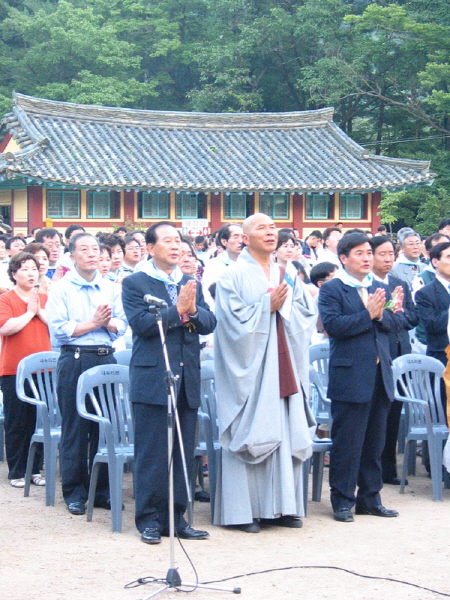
[63,204]
[186,205]
[317,206]
[103,205]
[154,205]
[98,205]
[351,206]
[275,206]
[235,206]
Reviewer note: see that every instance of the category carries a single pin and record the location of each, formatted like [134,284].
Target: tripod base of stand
[173,581]
[173,578]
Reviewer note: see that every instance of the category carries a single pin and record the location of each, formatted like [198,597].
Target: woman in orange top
[24,331]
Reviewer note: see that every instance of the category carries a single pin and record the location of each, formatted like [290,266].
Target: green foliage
[383,65]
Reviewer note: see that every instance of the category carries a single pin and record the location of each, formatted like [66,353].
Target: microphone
[154,301]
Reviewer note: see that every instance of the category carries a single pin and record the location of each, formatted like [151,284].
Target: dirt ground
[48,554]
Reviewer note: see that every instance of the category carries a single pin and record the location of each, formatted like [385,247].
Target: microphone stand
[173,579]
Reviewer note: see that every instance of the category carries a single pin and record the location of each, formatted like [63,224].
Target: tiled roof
[94,146]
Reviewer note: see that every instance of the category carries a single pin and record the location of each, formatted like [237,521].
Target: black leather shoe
[202,496]
[376,511]
[151,535]
[394,481]
[289,521]
[344,515]
[192,534]
[254,527]
[106,504]
[76,508]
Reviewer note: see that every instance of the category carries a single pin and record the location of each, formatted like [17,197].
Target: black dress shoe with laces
[151,535]
[192,534]
[376,511]
[76,508]
[344,515]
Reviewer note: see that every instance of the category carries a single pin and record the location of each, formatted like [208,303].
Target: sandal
[18,483]
[38,479]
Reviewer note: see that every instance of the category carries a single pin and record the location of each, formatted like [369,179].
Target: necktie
[172,290]
[364,295]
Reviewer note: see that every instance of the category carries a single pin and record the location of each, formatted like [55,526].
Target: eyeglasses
[133,247]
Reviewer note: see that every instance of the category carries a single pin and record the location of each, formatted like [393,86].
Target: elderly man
[185,318]
[264,323]
[399,344]
[408,264]
[361,385]
[229,239]
[85,316]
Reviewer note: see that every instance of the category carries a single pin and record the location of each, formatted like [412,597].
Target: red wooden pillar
[128,205]
[297,213]
[376,219]
[35,207]
[216,201]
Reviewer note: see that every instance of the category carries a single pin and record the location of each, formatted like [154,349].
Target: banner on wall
[194,227]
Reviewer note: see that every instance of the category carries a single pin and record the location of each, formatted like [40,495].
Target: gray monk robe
[264,438]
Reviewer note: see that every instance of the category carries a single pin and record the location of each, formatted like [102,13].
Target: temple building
[64,163]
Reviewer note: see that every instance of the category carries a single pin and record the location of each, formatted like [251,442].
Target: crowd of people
[267,295]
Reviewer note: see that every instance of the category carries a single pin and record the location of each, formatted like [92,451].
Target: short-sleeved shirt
[34,337]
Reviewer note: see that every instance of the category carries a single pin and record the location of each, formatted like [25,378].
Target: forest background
[384,66]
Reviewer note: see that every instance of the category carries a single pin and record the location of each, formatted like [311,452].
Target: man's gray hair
[405,233]
[74,239]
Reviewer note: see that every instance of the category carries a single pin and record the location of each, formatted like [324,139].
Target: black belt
[99,350]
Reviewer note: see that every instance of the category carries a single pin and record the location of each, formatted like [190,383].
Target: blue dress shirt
[73,300]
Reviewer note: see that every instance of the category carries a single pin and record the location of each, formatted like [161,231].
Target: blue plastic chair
[2,431]
[319,446]
[319,358]
[108,390]
[419,380]
[123,357]
[208,442]
[39,371]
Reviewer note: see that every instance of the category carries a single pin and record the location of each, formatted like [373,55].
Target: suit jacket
[433,302]
[147,367]
[356,342]
[399,343]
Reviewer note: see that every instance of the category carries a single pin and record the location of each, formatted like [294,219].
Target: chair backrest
[37,374]
[419,377]
[319,357]
[123,357]
[208,394]
[318,401]
[103,396]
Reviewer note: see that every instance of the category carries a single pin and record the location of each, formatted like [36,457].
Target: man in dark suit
[433,302]
[360,378]
[186,316]
[399,344]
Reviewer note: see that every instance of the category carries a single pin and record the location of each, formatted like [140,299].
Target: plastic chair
[39,371]
[208,443]
[107,388]
[2,430]
[419,379]
[320,404]
[123,357]
[319,446]
[319,358]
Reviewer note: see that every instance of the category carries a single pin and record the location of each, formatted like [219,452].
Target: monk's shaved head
[253,220]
